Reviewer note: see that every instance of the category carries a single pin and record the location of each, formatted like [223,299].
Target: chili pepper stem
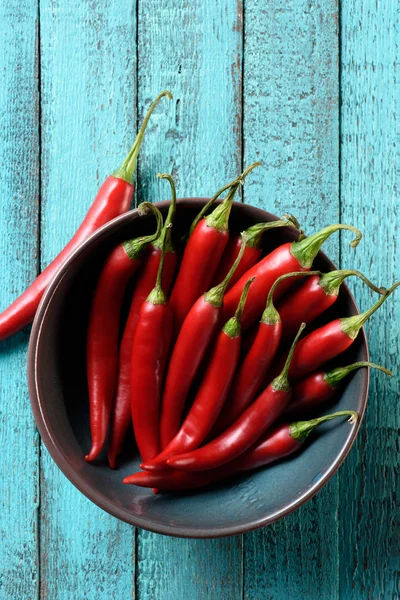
[166,231]
[157,295]
[270,315]
[281,383]
[352,325]
[335,376]
[207,206]
[219,218]
[127,169]
[255,232]
[300,430]
[233,327]
[331,282]
[134,247]
[216,294]
[306,250]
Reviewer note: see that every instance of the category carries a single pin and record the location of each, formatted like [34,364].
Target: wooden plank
[194,49]
[369,507]
[19,154]
[291,124]
[88,123]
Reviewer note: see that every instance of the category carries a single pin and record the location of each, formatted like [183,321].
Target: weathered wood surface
[369,509]
[259,81]
[19,193]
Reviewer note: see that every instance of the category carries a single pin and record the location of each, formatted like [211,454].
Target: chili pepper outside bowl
[58,390]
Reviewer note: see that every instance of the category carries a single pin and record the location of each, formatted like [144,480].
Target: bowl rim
[79,481]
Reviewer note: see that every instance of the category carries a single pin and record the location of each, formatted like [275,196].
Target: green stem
[300,430]
[352,325]
[216,294]
[167,230]
[331,282]
[219,218]
[157,295]
[306,250]
[134,247]
[270,315]
[281,383]
[335,376]
[236,182]
[255,232]
[232,328]
[128,167]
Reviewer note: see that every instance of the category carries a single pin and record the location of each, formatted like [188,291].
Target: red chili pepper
[294,256]
[257,361]
[318,388]
[103,329]
[253,249]
[198,330]
[245,431]
[113,199]
[202,254]
[327,342]
[279,443]
[212,391]
[150,350]
[122,415]
[314,297]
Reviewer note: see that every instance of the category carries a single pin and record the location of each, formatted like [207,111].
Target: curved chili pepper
[327,342]
[202,254]
[257,362]
[122,415]
[150,350]
[294,256]
[314,297]
[103,329]
[198,330]
[113,199]
[212,391]
[317,389]
[245,431]
[253,249]
[279,443]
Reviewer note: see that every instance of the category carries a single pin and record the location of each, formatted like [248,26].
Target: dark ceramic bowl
[60,403]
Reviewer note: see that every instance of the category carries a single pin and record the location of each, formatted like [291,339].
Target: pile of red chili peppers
[221,366]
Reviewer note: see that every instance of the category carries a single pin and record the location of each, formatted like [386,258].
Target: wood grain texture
[291,123]
[195,50]
[19,154]
[369,507]
[88,123]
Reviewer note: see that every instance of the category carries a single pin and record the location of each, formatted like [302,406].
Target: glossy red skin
[250,257]
[240,436]
[279,262]
[200,260]
[122,416]
[308,394]
[250,375]
[276,445]
[208,401]
[149,353]
[315,349]
[113,199]
[303,305]
[198,330]
[102,342]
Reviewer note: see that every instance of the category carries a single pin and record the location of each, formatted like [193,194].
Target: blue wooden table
[311,90]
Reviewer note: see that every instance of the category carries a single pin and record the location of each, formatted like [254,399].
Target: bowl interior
[60,401]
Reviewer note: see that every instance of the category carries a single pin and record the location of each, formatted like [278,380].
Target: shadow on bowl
[58,390]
